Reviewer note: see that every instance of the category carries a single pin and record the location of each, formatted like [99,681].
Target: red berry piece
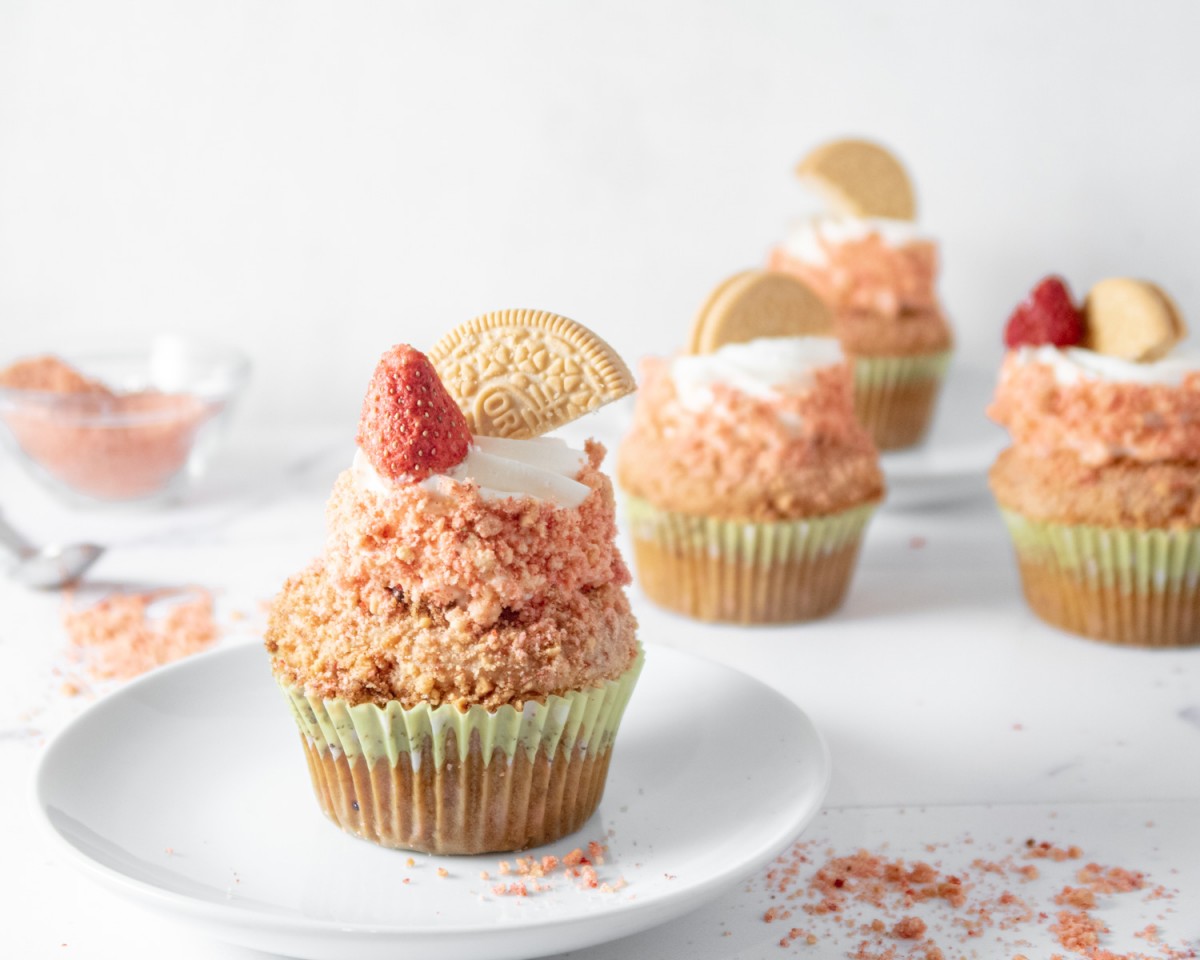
[410,426]
[1047,315]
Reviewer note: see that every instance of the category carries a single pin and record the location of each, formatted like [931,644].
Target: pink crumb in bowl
[94,442]
[146,444]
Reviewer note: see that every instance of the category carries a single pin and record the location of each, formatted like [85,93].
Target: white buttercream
[758,368]
[809,238]
[1073,364]
[542,469]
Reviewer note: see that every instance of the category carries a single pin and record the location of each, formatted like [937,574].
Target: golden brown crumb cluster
[332,643]
[1061,488]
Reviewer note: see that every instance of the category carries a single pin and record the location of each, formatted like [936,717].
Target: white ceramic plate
[952,463]
[187,791]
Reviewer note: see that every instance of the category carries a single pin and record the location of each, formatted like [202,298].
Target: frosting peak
[1072,365]
[810,240]
[544,468]
[760,368]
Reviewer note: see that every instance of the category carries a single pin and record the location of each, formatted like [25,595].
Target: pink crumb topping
[868,275]
[483,556]
[799,452]
[1098,420]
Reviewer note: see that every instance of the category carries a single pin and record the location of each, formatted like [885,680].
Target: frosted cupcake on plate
[878,272]
[748,481]
[459,659]
[1100,489]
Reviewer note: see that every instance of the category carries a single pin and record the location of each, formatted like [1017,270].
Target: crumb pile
[122,636]
[897,910]
[99,442]
[529,876]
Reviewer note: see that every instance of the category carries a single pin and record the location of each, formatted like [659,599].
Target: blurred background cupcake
[1100,489]
[749,481]
[878,272]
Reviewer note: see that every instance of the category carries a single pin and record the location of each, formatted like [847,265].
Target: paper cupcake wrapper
[584,719]
[894,397]
[1123,585]
[888,371]
[447,781]
[745,572]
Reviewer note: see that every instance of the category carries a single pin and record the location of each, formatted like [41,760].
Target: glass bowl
[141,430]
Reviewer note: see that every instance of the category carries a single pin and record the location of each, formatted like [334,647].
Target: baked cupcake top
[867,259]
[458,567]
[763,430]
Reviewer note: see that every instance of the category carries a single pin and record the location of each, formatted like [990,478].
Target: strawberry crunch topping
[1048,315]
[410,426]
[1100,421]
[794,453]
[868,274]
[481,557]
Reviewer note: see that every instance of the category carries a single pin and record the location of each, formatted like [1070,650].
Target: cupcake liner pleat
[744,572]
[1121,585]
[894,397]
[443,780]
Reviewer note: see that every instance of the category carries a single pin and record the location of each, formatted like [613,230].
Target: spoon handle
[12,541]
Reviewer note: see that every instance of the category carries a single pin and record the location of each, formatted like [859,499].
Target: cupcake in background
[878,273]
[459,659]
[1100,489]
[749,483]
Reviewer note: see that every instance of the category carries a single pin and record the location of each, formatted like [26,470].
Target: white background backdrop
[315,181]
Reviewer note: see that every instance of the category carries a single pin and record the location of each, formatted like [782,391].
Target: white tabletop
[949,709]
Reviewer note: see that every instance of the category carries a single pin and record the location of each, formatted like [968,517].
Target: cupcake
[1100,489]
[748,481]
[878,273]
[459,658]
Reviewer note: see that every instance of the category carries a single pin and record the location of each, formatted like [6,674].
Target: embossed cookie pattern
[522,373]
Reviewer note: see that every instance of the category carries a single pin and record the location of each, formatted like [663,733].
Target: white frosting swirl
[1074,364]
[758,368]
[809,238]
[541,469]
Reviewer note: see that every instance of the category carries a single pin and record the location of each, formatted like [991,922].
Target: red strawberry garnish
[410,426]
[1047,315]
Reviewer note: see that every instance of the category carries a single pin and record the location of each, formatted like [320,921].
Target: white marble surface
[949,709]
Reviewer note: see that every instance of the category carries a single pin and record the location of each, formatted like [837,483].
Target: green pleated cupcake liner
[895,397]
[580,719]
[745,541]
[745,572]
[878,371]
[1126,558]
[1123,585]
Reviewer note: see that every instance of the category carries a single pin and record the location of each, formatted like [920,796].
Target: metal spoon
[47,567]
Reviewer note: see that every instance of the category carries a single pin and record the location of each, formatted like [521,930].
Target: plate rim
[213,913]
